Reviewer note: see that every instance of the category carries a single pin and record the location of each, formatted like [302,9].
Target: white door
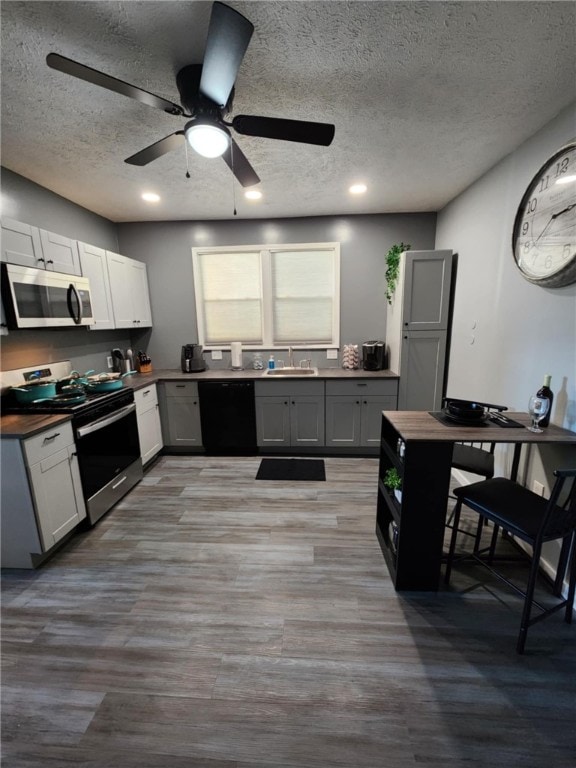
[21,244]
[94,267]
[60,253]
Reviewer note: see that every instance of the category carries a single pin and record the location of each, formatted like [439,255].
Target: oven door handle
[101,423]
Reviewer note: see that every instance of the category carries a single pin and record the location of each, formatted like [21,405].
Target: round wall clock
[544,237]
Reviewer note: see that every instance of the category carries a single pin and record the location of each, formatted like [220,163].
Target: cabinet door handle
[51,437]
[41,259]
[357,402]
[180,386]
[49,261]
[147,392]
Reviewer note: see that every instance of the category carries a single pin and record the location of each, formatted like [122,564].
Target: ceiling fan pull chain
[186,152]
[233,177]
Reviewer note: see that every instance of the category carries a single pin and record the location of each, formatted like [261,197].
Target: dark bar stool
[531,518]
[477,461]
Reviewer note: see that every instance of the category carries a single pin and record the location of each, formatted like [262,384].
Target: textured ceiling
[425,97]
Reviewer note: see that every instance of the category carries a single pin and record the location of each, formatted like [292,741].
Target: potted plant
[393,481]
[393,268]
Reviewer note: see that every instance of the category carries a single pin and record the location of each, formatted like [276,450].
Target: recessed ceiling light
[150,197]
[253,194]
[357,189]
[566,179]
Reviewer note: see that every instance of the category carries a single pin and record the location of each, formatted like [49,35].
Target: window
[268,296]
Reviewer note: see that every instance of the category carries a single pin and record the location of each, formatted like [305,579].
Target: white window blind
[231,290]
[303,296]
[268,297]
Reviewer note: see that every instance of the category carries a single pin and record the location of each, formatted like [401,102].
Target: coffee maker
[192,359]
[373,355]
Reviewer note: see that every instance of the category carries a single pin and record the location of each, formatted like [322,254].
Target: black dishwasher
[228,416]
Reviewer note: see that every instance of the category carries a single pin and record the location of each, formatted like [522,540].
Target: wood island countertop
[421,426]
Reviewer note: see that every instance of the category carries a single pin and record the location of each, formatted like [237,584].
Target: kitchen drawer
[363,387]
[289,388]
[48,442]
[145,398]
[181,388]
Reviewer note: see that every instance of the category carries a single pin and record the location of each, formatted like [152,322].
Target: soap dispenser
[271,363]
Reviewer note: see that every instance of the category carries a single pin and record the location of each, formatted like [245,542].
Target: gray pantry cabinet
[289,413]
[354,411]
[32,247]
[44,501]
[180,414]
[417,327]
[149,426]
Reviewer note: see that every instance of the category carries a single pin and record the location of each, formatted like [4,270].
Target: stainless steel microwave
[36,298]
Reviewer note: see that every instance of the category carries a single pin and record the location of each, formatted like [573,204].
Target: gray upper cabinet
[423,290]
[32,247]
[417,326]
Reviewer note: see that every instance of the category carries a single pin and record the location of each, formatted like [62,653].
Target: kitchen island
[411,532]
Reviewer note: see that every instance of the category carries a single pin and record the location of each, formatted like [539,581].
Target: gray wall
[167,249]
[506,332]
[28,202]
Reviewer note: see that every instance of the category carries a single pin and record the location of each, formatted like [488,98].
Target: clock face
[544,238]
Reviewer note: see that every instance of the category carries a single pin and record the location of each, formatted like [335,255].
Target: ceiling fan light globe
[208,140]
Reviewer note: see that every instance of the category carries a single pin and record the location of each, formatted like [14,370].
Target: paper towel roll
[236,355]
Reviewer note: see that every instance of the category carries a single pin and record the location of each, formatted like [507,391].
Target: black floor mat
[291,469]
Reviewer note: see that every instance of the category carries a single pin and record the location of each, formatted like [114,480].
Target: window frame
[266,251]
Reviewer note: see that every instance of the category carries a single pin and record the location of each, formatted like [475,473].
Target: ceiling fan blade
[287,130]
[238,163]
[154,151]
[69,67]
[228,36]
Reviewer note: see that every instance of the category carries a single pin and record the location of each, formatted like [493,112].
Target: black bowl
[465,409]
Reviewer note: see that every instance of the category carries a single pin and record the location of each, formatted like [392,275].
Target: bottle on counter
[271,363]
[545,391]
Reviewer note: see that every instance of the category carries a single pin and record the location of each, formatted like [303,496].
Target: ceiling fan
[206,93]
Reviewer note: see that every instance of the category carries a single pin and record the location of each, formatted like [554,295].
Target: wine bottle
[545,391]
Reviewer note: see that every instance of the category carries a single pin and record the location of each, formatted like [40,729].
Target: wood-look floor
[215,621]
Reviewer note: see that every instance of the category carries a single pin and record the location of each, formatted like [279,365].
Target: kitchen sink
[291,372]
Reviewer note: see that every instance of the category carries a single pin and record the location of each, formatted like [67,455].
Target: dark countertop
[223,374]
[21,426]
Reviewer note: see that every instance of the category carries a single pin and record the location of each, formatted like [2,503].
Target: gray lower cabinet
[42,498]
[354,411]
[289,414]
[180,414]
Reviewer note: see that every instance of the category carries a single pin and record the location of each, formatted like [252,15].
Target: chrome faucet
[290,357]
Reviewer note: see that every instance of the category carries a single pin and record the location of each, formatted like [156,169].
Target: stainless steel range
[106,436]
